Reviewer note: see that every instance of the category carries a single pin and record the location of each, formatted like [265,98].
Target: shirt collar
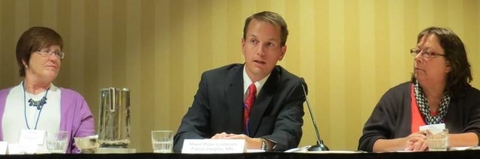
[247,81]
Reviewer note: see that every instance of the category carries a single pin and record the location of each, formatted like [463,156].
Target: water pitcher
[114,122]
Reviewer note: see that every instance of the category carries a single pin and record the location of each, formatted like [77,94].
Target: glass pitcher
[114,118]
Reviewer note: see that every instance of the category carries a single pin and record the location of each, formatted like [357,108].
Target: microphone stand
[320,145]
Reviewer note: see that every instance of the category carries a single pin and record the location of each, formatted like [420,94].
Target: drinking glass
[57,141]
[437,139]
[162,141]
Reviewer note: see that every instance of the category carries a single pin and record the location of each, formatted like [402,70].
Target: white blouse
[18,114]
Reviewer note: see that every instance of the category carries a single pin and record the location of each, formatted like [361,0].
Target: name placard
[20,149]
[32,137]
[3,147]
[436,128]
[208,146]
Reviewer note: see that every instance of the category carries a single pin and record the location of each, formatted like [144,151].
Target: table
[268,155]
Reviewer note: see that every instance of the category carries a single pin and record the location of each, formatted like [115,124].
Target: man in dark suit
[257,101]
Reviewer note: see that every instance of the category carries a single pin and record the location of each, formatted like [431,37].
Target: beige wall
[349,51]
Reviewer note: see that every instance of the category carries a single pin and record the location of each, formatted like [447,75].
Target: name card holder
[212,146]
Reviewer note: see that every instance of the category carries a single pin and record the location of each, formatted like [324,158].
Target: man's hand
[252,143]
[222,135]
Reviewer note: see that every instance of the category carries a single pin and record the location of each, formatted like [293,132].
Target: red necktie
[252,90]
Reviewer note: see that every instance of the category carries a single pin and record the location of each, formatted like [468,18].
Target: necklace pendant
[33,103]
[38,104]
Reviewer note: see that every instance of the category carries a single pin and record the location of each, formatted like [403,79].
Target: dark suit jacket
[218,107]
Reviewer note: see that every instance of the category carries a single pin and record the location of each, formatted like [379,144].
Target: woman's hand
[416,141]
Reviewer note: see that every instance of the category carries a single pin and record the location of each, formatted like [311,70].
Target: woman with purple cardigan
[37,104]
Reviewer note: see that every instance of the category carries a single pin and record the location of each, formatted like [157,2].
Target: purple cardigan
[76,117]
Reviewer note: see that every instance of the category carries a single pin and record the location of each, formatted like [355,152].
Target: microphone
[320,145]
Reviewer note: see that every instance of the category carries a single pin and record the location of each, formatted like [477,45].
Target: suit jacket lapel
[234,94]
[262,101]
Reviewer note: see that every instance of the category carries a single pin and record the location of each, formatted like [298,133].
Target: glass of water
[57,141]
[437,140]
[162,141]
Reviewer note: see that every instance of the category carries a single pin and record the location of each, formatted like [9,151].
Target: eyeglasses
[46,53]
[425,54]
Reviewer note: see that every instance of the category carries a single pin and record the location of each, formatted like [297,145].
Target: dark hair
[459,78]
[272,18]
[33,40]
